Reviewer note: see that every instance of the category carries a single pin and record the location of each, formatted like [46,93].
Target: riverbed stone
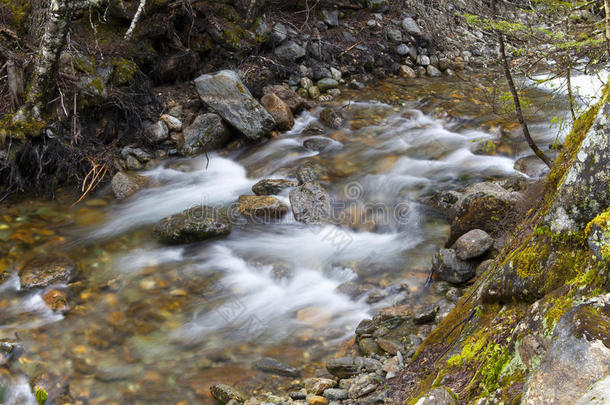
[314,92]
[125,185]
[363,385]
[295,103]
[368,346]
[261,206]
[225,93]
[279,111]
[317,386]
[57,300]
[43,271]
[411,26]
[173,123]
[449,268]
[327,84]
[316,400]
[192,225]
[310,203]
[345,367]
[408,72]
[532,166]
[157,132]
[207,132]
[473,244]
[377,6]
[330,17]
[223,393]
[272,186]
[278,33]
[332,118]
[433,71]
[273,366]
[335,394]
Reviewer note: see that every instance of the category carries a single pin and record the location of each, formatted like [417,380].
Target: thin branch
[136,17]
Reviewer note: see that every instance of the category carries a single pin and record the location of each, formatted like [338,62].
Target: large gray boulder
[473,244]
[225,93]
[207,132]
[192,225]
[310,203]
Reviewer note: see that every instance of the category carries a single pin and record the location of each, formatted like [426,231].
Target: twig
[350,48]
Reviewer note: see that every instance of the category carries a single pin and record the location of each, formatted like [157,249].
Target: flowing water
[158,324]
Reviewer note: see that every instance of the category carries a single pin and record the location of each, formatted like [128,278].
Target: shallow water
[157,324]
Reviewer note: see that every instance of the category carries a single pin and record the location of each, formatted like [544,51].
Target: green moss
[124,71]
[18,11]
[20,127]
[85,64]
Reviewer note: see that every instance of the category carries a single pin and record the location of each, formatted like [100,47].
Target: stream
[156,324]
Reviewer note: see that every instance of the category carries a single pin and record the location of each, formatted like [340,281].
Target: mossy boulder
[192,225]
[206,133]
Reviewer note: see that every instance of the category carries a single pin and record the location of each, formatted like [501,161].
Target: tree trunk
[14,73]
[515,95]
[607,11]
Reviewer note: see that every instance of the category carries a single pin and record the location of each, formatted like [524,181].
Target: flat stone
[43,271]
[345,367]
[223,393]
[327,84]
[192,225]
[273,366]
[272,186]
[335,394]
[261,206]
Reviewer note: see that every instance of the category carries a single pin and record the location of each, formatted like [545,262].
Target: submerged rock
[473,244]
[125,185]
[207,132]
[44,271]
[272,186]
[273,366]
[222,393]
[449,268]
[332,118]
[225,93]
[261,206]
[310,203]
[192,225]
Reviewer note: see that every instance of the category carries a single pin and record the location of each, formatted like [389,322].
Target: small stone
[223,393]
[278,33]
[345,367]
[402,50]
[314,92]
[394,34]
[433,71]
[335,394]
[377,6]
[330,17]
[316,400]
[406,71]
[173,123]
[333,92]
[368,347]
[327,84]
[279,111]
[317,386]
[332,118]
[273,366]
[365,327]
[335,74]
[423,60]
[57,300]
[306,83]
[389,345]
[125,185]
[157,132]
[427,315]
[207,132]
[473,244]
[449,268]
[290,51]
[298,395]
[411,26]
[437,396]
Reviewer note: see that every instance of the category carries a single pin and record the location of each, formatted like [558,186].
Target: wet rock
[298,395]
[279,111]
[317,386]
[310,203]
[10,351]
[423,60]
[290,51]
[376,295]
[332,118]
[473,244]
[273,366]
[135,158]
[57,300]
[306,83]
[314,92]
[125,185]
[410,26]
[335,394]
[432,71]
[223,393]
[426,315]
[207,132]
[173,123]
[309,172]
[330,17]
[390,346]
[402,50]
[316,400]
[261,206]
[483,206]
[225,93]
[446,202]
[578,357]
[363,385]
[44,271]
[437,396]
[272,186]
[157,132]
[345,367]
[368,347]
[321,144]
[449,268]
[394,34]
[295,103]
[327,84]
[335,74]
[192,225]
[532,166]
[365,327]
[406,71]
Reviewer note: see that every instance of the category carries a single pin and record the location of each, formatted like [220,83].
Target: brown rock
[261,206]
[295,102]
[43,271]
[317,400]
[279,111]
[57,300]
